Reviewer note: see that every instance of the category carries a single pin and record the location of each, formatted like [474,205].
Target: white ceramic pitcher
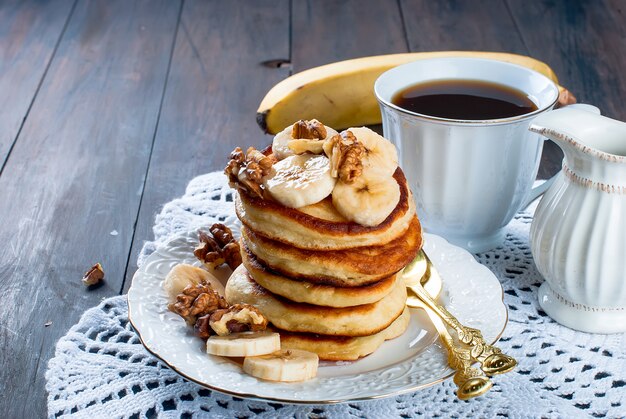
[578,235]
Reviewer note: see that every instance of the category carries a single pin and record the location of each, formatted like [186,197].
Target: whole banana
[341,94]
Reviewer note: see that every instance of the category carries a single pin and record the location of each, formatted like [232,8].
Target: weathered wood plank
[29,32]
[71,188]
[214,88]
[483,25]
[327,31]
[584,42]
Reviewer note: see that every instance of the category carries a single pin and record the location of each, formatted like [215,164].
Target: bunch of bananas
[341,94]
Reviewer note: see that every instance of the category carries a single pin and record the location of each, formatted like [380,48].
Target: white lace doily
[100,368]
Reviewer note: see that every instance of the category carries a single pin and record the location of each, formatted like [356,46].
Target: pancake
[345,268]
[319,226]
[342,348]
[308,292]
[359,320]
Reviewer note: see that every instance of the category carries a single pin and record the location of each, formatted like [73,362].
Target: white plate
[405,364]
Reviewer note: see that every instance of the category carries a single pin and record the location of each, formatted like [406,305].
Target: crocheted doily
[100,368]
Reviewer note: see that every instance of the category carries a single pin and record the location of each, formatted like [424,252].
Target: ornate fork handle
[492,360]
[471,382]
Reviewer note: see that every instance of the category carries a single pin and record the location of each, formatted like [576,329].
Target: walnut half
[309,130]
[218,247]
[246,171]
[237,318]
[307,137]
[196,301]
[346,156]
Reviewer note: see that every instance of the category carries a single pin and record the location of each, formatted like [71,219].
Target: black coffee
[464,99]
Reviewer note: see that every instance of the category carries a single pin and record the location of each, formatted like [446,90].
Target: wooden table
[108,109]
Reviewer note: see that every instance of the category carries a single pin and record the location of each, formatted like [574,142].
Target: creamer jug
[578,234]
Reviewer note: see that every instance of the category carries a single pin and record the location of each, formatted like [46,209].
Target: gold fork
[470,381]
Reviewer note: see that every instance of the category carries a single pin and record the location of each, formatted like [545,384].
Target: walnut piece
[94,275]
[565,98]
[309,130]
[196,301]
[218,248]
[258,165]
[222,234]
[233,167]
[237,318]
[208,251]
[346,156]
[246,171]
[307,137]
[232,254]
[202,328]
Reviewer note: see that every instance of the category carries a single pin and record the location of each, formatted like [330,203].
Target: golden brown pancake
[345,268]
[319,226]
[359,320]
[344,348]
[308,292]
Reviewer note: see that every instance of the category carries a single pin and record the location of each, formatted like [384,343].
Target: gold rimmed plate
[408,363]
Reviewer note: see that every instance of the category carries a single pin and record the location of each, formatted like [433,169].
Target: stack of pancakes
[327,285]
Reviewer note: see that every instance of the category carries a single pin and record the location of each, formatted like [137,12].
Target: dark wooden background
[108,108]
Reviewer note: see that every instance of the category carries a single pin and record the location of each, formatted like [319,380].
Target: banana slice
[182,275]
[304,145]
[280,144]
[284,365]
[380,153]
[284,145]
[298,181]
[243,344]
[368,200]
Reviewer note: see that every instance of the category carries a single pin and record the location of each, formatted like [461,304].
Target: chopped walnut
[346,156]
[218,248]
[208,251]
[222,234]
[237,318]
[565,98]
[310,130]
[246,171]
[202,327]
[196,301]
[235,162]
[94,275]
[232,254]
[258,165]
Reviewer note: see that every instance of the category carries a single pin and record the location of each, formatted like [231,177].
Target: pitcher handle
[539,190]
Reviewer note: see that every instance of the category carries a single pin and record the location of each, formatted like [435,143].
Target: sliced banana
[304,145]
[298,181]
[368,200]
[280,144]
[284,365]
[284,145]
[182,275]
[243,344]
[380,154]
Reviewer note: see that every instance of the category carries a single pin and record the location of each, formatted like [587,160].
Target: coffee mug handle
[539,190]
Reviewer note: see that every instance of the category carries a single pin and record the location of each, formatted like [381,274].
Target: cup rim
[450,121]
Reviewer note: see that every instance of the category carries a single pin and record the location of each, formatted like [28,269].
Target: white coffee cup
[469,177]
